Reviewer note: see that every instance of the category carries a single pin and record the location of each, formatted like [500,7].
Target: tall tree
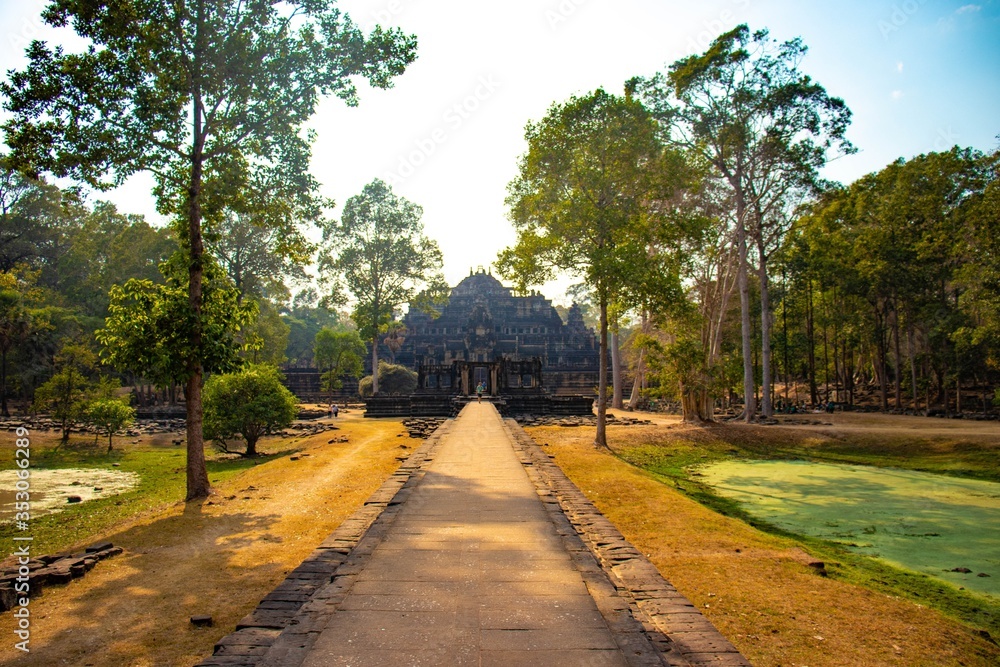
[31,219]
[338,354]
[208,95]
[380,255]
[766,128]
[15,324]
[581,204]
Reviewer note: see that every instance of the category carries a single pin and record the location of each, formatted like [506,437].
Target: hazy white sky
[919,75]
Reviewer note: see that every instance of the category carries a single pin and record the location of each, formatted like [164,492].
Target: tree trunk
[784,330]
[897,353]
[251,448]
[3,383]
[749,405]
[640,372]
[617,399]
[601,437]
[881,352]
[913,367]
[811,340]
[198,485]
[111,436]
[767,409]
[375,365]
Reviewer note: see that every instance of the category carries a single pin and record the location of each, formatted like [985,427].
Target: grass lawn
[219,557]
[754,582]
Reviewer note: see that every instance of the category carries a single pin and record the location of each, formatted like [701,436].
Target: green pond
[923,522]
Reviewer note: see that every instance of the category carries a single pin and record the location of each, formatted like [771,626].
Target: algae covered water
[927,523]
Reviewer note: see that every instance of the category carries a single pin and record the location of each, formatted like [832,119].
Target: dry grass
[217,558]
[755,587]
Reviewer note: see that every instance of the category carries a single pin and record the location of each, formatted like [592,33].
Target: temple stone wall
[485,321]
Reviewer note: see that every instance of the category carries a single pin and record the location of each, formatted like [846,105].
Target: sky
[918,75]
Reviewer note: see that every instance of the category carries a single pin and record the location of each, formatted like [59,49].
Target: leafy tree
[15,325]
[105,249]
[146,331]
[767,129]
[209,97]
[259,257]
[338,354]
[581,204]
[305,319]
[111,416]
[31,219]
[382,258]
[250,404]
[393,379]
[266,336]
[64,395]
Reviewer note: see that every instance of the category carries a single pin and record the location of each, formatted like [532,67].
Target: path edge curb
[286,622]
[673,624]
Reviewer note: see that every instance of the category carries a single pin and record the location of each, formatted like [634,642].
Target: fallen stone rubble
[304,429]
[422,428]
[50,570]
[544,420]
[141,426]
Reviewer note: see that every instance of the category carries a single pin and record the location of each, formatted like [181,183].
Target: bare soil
[219,557]
[758,588]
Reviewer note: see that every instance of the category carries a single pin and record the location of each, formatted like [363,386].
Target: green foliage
[148,326]
[583,203]
[265,338]
[904,259]
[110,415]
[766,129]
[381,257]
[64,395]
[249,404]
[31,219]
[107,248]
[263,249]
[338,354]
[393,379]
[210,98]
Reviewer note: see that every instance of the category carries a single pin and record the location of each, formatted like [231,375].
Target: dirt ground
[218,558]
[758,589]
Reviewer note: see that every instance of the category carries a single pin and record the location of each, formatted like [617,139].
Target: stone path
[474,561]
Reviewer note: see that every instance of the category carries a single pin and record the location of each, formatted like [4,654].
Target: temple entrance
[481,375]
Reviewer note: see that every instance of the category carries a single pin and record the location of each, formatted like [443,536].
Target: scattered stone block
[201,621]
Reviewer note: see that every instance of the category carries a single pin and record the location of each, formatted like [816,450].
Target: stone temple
[485,322]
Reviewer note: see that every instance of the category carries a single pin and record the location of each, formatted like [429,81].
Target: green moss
[676,458]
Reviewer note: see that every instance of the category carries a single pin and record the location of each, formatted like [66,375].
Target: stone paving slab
[478,551]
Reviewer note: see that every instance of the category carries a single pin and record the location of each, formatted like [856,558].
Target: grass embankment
[753,581]
[219,557]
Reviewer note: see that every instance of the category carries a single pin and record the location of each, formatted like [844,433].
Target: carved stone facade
[485,322]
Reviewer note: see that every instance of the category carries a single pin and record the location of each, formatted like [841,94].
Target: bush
[249,404]
[110,415]
[392,379]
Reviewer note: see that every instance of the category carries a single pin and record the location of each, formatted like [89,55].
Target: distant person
[334,410]
[480,388]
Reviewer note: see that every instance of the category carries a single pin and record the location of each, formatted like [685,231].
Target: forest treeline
[61,258]
[885,293]
[693,209]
